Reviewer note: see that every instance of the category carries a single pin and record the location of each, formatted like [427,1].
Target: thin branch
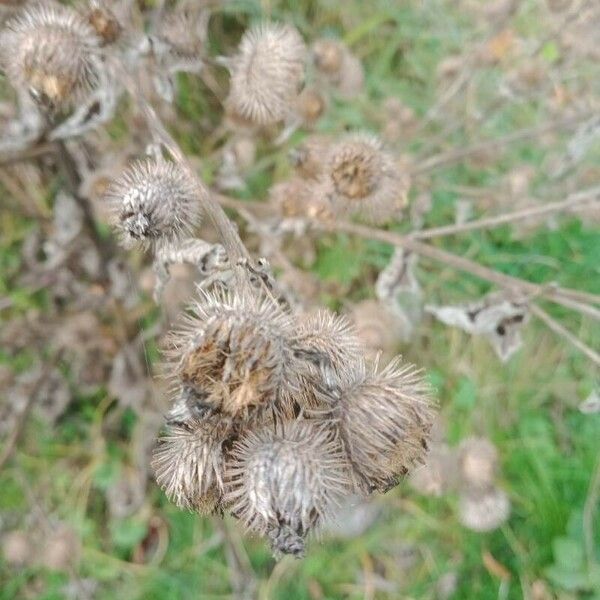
[565,333]
[571,201]
[572,299]
[589,510]
[455,156]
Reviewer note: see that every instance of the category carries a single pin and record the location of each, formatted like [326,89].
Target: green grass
[528,407]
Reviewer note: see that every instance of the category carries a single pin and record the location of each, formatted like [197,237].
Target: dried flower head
[154,202]
[338,66]
[296,198]
[182,34]
[284,484]
[385,419]
[361,178]
[310,106]
[484,510]
[188,463]
[378,328]
[307,158]
[104,21]
[478,460]
[231,356]
[50,50]
[327,341]
[266,73]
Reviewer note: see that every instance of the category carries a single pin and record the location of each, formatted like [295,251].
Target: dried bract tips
[50,51]
[104,22]
[283,484]
[188,463]
[384,420]
[266,73]
[154,201]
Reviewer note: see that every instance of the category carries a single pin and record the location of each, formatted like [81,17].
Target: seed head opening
[154,202]
[231,356]
[267,73]
[284,484]
[50,50]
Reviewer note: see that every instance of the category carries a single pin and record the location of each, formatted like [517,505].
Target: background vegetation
[528,407]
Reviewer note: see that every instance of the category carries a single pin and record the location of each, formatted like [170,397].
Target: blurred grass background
[527,407]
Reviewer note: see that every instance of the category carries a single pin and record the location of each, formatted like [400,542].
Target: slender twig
[553,293]
[573,200]
[457,155]
[565,333]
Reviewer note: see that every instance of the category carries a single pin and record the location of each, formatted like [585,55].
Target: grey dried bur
[384,419]
[51,51]
[267,73]
[361,178]
[478,463]
[484,510]
[188,463]
[231,354]
[283,484]
[155,202]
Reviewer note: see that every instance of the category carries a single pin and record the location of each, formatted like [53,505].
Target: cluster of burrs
[275,417]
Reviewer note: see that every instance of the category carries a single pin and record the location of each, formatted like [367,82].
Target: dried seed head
[478,459]
[484,511]
[329,343]
[154,202]
[284,484]
[308,157]
[50,50]
[183,33]
[338,66]
[188,463]
[362,179]
[378,328]
[310,106]
[104,22]
[232,355]
[296,198]
[438,474]
[266,73]
[385,419]
[328,56]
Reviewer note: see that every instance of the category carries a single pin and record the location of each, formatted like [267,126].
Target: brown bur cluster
[276,417]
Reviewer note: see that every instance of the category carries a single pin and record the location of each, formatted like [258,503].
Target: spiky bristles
[231,355]
[188,463]
[328,354]
[266,73]
[360,178]
[282,484]
[50,50]
[154,201]
[384,420]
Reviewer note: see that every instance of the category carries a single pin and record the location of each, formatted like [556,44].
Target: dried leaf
[498,317]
